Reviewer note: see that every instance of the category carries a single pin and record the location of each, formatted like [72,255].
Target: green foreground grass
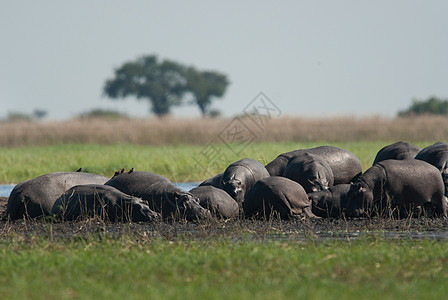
[178,163]
[126,268]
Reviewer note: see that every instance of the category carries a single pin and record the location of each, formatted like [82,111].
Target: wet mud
[299,229]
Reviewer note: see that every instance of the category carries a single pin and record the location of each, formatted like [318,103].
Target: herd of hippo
[325,181]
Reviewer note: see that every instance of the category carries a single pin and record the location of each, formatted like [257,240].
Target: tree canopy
[165,84]
[431,106]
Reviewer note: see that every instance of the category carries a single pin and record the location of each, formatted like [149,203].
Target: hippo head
[317,183]
[234,187]
[190,209]
[141,211]
[360,199]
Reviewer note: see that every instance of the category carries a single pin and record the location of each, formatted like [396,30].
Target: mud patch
[289,230]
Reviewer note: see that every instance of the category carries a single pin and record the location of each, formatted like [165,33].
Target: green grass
[178,163]
[220,268]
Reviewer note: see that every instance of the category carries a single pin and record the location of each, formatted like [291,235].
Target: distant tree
[103,114]
[161,83]
[431,106]
[39,113]
[19,117]
[204,86]
[165,84]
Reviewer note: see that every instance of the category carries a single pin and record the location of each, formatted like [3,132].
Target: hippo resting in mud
[277,196]
[238,178]
[103,201]
[437,155]
[162,196]
[217,201]
[35,197]
[396,188]
[311,171]
[398,151]
[344,164]
[330,203]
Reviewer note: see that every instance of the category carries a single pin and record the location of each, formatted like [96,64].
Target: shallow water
[5,189]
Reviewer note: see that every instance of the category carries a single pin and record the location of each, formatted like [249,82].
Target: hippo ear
[233,177]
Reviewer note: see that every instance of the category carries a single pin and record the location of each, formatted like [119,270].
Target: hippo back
[35,197]
[398,151]
[217,201]
[345,165]
[103,201]
[162,195]
[276,195]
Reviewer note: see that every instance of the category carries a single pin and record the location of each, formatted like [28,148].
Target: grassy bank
[177,162]
[202,131]
[221,268]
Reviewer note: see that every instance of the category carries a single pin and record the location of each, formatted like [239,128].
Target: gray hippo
[330,203]
[397,187]
[103,201]
[215,181]
[345,165]
[398,151]
[437,155]
[35,197]
[311,171]
[239,177]
[162,196]
[277,195]
[217,201]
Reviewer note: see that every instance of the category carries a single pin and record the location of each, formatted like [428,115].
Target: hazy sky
[312,58]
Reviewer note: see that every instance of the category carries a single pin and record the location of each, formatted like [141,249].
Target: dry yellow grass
[202,131]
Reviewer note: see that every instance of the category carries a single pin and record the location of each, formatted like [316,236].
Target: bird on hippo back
[103,201]
[437,155]
[240,176]
[397,188]
[345,165]
[162,196]
[36,197]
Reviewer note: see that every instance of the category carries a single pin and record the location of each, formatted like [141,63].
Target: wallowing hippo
[311,171]
[345,165]
[239,177]
[397,187]
[330,203]
[437,155]
[398,151]
[162,196]
[35,197]
[277,195]
[215,181]
[103,201]
[217,201]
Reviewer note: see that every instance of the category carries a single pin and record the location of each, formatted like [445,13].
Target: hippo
[398,151]
[35,197]
[397,187]
[277,195]
[345,165]
[106,202]
[311,171]
[437,155]
[217,201]
[330,203]
[239,177]
[215,181]
[162,196]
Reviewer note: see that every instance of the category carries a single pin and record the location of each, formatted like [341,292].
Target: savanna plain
[236,259]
